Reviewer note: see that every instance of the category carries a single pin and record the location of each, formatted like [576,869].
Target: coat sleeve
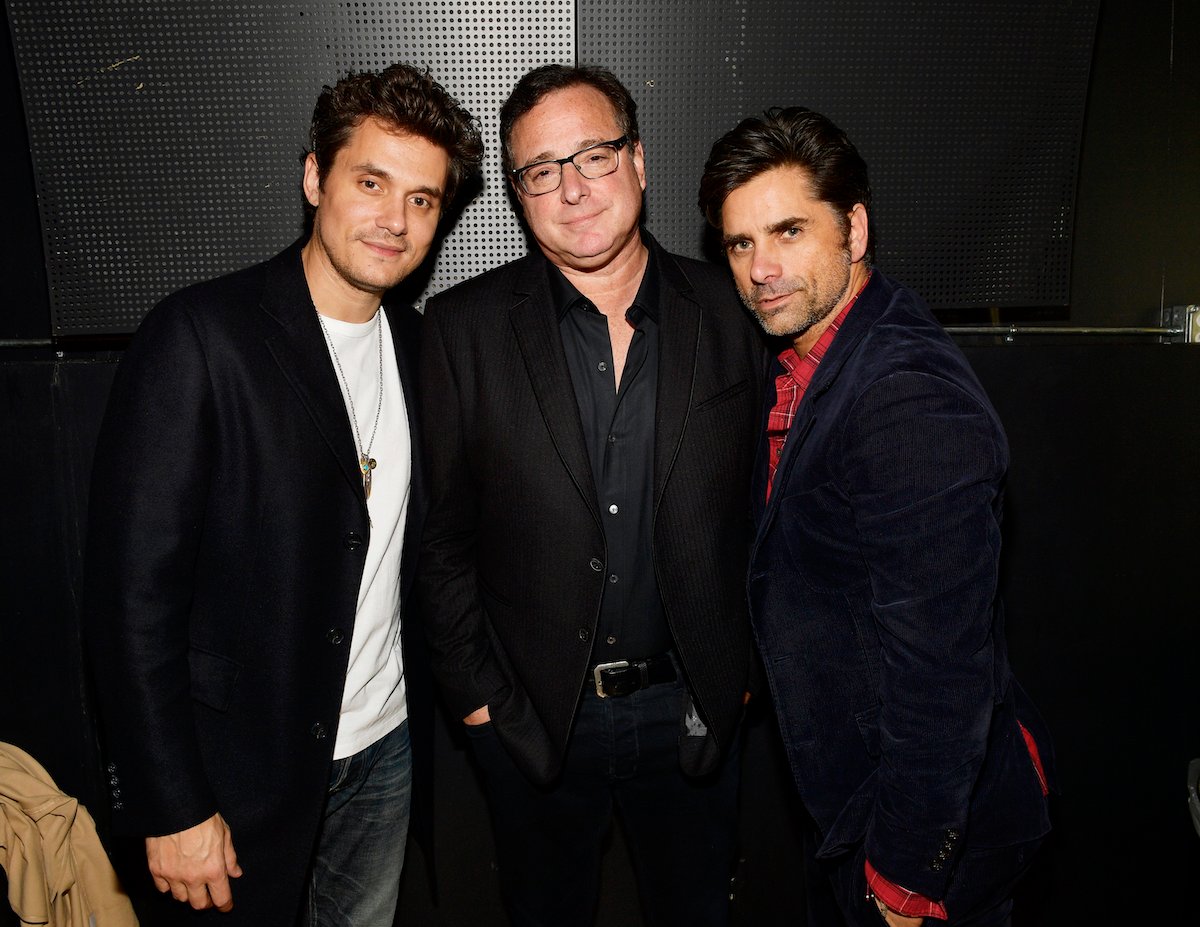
[150,484]
[461,650]
[924,463]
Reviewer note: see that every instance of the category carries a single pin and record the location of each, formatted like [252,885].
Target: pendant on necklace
[366,465]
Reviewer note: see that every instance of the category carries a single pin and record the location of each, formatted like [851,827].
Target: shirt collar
[565,296]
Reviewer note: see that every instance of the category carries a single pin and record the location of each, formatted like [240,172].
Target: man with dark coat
[873,576]
[590,430]
[256,506]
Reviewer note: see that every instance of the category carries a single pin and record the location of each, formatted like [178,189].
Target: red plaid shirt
[791,385]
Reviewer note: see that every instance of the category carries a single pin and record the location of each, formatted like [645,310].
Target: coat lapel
[405,324]
[679,340]
[299,348]
[536,328]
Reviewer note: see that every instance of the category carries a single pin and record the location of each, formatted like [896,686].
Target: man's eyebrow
[549,155]
[792,222]
[774,228]
[366,167]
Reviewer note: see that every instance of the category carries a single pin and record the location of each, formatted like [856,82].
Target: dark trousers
[623,752]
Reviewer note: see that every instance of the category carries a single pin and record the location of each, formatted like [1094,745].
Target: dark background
[1103,512]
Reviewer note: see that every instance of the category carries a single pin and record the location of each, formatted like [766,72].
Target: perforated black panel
[968,114]
[167,137]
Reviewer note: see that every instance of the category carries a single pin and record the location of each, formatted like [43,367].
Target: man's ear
[859,230]
[312,181]
[638,153]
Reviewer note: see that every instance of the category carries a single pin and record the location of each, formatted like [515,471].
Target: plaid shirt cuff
[901,900]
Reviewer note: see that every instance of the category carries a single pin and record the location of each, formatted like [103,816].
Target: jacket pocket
[728,393]
[213,678]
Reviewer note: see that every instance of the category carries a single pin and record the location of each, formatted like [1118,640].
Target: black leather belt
[624,676]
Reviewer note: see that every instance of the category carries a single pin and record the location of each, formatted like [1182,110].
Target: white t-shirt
[373,701]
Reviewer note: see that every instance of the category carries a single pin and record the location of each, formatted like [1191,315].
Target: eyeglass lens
[592,163]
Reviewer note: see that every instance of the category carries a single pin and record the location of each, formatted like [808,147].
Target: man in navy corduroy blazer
[873,576]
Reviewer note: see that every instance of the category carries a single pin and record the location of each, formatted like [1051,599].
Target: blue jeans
[623,754]
[355,876]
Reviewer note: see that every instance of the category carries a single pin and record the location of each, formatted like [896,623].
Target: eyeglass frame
[616,144]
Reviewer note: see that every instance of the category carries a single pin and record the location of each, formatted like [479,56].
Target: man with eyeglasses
[592,414]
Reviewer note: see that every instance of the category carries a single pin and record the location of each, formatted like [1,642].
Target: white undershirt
[373,701]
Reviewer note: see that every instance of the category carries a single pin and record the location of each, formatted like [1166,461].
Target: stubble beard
[358,276]
[814,303]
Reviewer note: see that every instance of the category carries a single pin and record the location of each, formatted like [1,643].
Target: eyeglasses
[592,163]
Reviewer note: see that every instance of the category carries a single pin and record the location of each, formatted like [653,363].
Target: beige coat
[58,873]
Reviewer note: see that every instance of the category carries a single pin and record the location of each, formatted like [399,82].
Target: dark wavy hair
[789,137]
[539,82]
[402,97]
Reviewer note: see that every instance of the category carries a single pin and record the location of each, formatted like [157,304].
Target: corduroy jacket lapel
[865,313]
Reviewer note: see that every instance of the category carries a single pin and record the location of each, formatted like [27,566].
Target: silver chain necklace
[366,463]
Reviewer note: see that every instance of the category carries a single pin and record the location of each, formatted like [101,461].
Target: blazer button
[353,541]
[584,634]
[318,731]
[335,636]
[596,564]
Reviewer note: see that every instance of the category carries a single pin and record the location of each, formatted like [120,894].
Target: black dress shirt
[619,430]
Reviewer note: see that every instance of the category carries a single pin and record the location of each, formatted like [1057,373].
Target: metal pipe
[1068,330]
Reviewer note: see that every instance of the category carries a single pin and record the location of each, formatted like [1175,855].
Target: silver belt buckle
[601,667]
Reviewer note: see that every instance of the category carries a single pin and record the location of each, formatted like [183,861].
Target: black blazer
[512,569]
[227,534]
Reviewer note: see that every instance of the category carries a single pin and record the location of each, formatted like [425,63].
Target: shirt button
[612,439]
[335,636]
[318,731]
[596,564]
[602,366]
[353,541]
[612,509]
[613,578]
[584,634]
[611,639]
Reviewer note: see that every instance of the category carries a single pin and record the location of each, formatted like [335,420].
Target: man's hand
[195,865]
[478,716]
[896,919]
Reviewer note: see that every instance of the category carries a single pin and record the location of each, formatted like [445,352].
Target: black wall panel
[25,312]
[166,136]
[969,116]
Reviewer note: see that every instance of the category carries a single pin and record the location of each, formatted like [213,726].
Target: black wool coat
[226,544]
